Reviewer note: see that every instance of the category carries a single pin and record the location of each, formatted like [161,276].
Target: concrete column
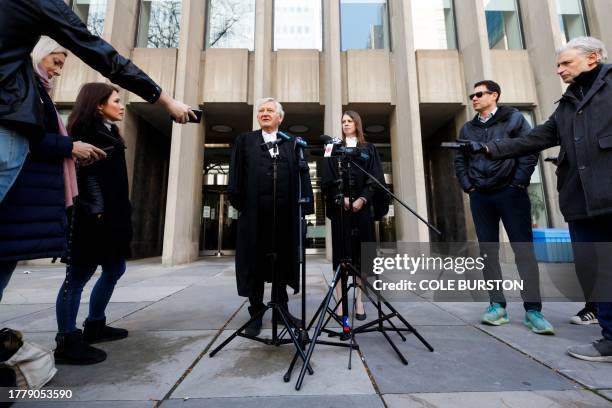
[599,16]
[542,37]
[262,69]
[406,141]
[332,84]
[184,202]
[473,42]
[120,26]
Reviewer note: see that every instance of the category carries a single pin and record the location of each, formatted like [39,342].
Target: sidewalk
[176,315]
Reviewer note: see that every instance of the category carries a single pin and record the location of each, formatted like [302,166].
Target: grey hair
[587,46]
[279,107]
[45,47]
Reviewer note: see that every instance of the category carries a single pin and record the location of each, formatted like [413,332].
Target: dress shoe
[254,328]
[361,316]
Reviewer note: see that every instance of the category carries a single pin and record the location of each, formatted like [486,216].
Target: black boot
[71,349]
[254,328]
[96,331]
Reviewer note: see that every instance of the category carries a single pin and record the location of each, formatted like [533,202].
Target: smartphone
[108,149]
[198,118]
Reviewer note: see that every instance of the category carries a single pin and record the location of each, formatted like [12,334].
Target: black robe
[362,221]
[243,193]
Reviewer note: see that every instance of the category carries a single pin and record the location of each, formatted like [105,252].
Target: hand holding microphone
[466,146]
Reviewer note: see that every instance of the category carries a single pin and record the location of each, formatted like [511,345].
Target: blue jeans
[6,271]
[69,296]
[14,148]
[594,264]
[511,205]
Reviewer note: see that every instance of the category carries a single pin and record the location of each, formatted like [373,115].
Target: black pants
[594,265]
[511,205]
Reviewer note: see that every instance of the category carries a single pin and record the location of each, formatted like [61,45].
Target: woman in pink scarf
[32,216]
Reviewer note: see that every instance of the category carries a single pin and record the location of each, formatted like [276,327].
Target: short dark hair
[491,86]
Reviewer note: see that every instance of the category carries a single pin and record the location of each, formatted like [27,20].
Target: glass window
[571,18]
[503,24]
[231,24]
[539,212]
[92,13]
[159,24]
[434,25]
[364,24]
[307,20]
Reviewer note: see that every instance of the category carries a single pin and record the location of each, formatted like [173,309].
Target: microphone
[330,140]
[299,142]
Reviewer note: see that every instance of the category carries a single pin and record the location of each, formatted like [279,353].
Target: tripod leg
[401,318]
[296,343]
[380,314]
[287,376]
[238,332]
[317,331]
[412,329]
[399,353]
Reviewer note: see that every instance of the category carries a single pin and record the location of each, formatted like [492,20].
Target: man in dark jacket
[498,191]
[22,22]
[251,192]
[582,126]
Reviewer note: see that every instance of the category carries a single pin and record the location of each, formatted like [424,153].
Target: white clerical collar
[270,137]
[350,141]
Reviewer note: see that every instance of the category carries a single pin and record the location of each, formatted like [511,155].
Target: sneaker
[599,351]
[535,321]
[495,315]
[584,317]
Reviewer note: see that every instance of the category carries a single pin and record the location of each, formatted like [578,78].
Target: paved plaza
[177,315]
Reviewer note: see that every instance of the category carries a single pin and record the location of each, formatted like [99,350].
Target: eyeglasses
[479,94]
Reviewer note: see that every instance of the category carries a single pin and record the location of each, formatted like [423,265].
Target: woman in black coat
[362,190]
[32,215]
[102,226]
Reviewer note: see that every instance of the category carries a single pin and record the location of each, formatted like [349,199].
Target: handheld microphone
[330,140]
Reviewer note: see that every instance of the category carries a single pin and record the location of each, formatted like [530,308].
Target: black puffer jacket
[483,173]
[22,22]
[582,125]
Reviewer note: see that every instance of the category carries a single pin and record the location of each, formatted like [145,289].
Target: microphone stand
[346,267]
[277,309]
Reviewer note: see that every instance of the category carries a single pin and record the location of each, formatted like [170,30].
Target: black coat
[102,233]
[22,22]
[583,128]
[362,186]
[483,173]
[32,215]
[243,190]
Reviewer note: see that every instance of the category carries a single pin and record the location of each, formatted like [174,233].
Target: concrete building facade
[406,66]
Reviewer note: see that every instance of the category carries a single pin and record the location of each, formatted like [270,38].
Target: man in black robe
[250,191]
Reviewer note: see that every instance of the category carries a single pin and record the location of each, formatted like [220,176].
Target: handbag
[34,365]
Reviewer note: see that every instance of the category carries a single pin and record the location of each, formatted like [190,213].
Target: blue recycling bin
[552,245]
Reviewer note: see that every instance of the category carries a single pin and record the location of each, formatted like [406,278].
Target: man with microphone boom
[251,192]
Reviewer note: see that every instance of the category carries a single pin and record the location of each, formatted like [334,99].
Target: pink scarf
[70,180]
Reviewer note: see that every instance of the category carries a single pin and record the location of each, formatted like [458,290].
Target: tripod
[345,268]
[278,311]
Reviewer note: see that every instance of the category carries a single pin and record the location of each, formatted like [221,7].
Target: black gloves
[471,147]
